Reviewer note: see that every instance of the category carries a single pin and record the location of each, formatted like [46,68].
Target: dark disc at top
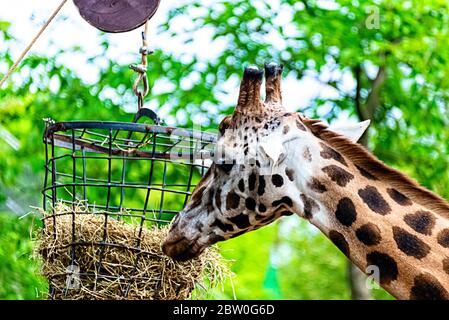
[117,15]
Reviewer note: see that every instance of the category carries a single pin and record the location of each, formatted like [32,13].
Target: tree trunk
[357,282]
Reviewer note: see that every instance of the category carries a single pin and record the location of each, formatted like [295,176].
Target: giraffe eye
[225,166]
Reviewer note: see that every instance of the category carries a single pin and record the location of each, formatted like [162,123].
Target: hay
[117,276]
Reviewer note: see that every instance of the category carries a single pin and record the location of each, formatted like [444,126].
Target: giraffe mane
[361,157]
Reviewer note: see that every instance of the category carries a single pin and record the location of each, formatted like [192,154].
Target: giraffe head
[261,170]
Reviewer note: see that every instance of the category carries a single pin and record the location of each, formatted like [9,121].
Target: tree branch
[308,8]
[372,101]
[358,103]
[368,109]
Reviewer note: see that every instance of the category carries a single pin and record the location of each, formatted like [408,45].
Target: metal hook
[142,77]
[141,86]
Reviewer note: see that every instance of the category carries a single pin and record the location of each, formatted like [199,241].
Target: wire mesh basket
[121,171]
[149,171]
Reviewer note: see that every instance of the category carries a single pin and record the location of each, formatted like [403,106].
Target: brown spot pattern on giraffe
[365,173]
[199,225]
[446,265]
[443,238]
[277,180]
[309,206]
[307,154]
[374,200]
[241,185]
[290,174]
[252,181]
[250,204]
[232,200]
[398,197]
[421,221]
[261,187]
[427,287]
[316,185]
[241,221]
[410,244]
[210,200]
[339,240]
[388,268]
[329,153]
[338,175]
[369,234]
[284,200]
[225,227]
[197,197]
[346,213]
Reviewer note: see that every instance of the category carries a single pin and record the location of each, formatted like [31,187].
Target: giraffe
[271,163]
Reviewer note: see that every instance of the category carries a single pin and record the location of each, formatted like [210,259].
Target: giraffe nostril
[172,246]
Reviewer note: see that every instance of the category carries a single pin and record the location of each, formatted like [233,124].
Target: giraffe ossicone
[270,163]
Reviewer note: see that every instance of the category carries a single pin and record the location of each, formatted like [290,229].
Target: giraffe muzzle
[181,248]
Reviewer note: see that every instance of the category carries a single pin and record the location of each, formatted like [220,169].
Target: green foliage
[250,263]
[310,268]
[312,265]
[19,272]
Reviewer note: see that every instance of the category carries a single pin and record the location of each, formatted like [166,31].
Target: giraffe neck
[386,233]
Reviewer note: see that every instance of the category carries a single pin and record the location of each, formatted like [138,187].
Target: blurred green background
[382,60]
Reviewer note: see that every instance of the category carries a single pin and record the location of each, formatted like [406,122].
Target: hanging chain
[141,87]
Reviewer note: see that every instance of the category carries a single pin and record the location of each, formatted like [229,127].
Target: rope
[27,49]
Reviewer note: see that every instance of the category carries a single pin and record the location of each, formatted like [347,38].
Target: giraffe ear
[354,131]
[272,149]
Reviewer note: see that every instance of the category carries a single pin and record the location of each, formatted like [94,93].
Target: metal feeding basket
[121,171]
[109,186]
